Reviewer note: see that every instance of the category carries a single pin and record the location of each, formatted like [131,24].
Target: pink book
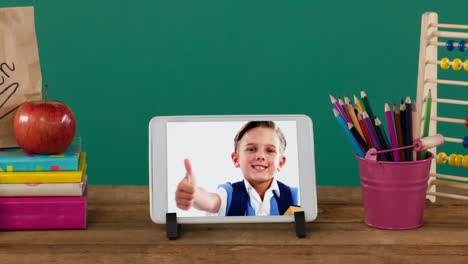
[60,212]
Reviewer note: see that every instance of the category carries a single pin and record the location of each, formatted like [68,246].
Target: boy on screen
[259,153]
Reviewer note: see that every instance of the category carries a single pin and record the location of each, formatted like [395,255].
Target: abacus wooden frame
[427,80]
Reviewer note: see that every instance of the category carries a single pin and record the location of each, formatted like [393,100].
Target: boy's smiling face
[258,155]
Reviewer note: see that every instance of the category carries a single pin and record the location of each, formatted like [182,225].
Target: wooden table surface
[120,231]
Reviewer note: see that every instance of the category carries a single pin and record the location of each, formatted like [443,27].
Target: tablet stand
[300,224]
[172,228]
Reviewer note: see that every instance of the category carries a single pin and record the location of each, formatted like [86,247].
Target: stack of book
[43,191]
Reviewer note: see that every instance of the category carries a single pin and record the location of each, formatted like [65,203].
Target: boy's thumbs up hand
[185,193]
[189,174]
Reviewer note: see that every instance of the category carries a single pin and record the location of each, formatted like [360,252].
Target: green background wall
[119,63]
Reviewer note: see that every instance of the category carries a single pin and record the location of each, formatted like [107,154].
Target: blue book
[15,159]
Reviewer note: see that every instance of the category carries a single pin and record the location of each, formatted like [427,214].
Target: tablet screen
[232,168]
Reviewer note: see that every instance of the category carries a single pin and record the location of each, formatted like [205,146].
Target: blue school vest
[238,201]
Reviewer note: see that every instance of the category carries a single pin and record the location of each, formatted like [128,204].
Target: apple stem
[46,90]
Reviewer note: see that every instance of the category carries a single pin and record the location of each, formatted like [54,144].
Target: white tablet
[231,169]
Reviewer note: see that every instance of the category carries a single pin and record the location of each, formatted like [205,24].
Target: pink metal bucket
[394,193]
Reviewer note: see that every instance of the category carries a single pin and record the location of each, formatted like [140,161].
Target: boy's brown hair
[266,124]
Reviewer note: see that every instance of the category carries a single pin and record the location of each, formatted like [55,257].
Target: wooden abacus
[453,159]
[427,88]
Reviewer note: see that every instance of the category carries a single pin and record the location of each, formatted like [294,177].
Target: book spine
[42,213]
[39,164]
[42,177]
[46,176]
[44,189]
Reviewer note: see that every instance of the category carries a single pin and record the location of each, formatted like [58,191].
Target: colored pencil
[367,106]
[384,134]
[403,123]
[338,107]
[358,104]
[354,119]
[348,133]
[346,99]
[416,124]
[409,128]
[371,130]
[391,131]
[427,118]
[342,105]
[358,137]
[396,116]
[378,132]
[364,131]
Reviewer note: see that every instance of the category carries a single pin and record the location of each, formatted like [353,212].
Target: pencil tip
[363,94]
[377,121]
[335,112]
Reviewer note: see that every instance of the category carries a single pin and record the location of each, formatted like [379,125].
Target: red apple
[44,127]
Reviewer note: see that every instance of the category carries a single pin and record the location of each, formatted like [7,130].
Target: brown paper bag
[20,73]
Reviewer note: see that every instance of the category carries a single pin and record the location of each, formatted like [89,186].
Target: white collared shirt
[260,207]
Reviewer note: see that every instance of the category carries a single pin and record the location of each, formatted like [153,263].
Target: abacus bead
[466,122]
[444,63]
[456,64]
[465,161]
[449,45]
[465,142]
[458,160]
[465,66]
[461,45]
[452,159]
[441,158]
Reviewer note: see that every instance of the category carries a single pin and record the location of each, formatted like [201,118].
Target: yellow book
[45,176]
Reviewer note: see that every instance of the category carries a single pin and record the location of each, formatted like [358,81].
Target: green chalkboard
[119,63]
